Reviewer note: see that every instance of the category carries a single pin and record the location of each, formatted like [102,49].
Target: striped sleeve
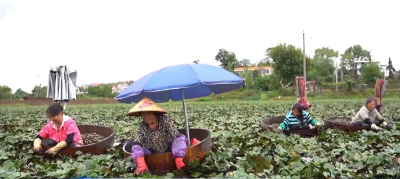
[286,122]
[307,117]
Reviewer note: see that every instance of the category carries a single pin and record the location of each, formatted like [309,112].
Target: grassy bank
[238,95]
[254,95]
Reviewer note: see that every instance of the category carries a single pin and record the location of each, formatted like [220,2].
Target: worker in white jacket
[369,116]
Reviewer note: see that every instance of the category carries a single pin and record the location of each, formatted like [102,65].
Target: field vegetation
[240,148]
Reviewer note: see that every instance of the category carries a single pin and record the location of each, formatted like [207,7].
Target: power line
[304,61]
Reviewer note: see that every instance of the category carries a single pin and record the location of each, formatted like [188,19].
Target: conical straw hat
[146,104]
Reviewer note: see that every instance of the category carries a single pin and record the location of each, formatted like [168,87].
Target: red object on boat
[379,91]
[194,141]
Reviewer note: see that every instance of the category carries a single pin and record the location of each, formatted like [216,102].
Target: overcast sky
[110,41]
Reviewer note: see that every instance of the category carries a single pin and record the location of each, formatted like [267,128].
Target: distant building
[396,74]
[83,89]
[114,89]
[119,88]
[263,70]
[359,64]
[78,90]
[87,85]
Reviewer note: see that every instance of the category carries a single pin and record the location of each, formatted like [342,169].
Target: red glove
[141,166]
[194,141]
[179,163]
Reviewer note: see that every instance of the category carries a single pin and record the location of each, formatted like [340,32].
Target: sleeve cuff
[39,137]
[313,122]
[283,126]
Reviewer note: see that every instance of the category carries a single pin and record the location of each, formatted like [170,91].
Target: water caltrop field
[240,147]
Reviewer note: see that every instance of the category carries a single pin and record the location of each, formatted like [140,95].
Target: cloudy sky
[109,41]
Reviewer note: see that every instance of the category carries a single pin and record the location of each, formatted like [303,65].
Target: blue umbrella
[180,82]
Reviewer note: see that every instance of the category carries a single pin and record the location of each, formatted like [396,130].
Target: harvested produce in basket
[91,138]
[275,127]
[341,120]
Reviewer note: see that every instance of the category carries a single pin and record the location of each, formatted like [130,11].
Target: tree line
[100,91]
[286,61]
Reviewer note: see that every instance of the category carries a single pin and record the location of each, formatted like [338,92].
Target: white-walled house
[263,70]
[119,88]
[358,65]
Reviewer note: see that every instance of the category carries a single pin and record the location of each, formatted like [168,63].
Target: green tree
[247,75]
[264,62]
[370,72]
[267,82]
[39,92]
[19,94]
[102,91]
[255,73]
[343,70]
[313,75]
[391,69]
[226,59]
[287,62]
[244,63]
[5,89]
[261,82]
[230,67]
[129,82]
[5,92]
[355,53]
[322,61]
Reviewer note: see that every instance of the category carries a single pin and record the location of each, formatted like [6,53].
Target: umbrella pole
[186,118]
[59,102]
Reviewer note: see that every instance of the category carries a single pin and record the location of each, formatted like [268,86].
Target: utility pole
[40,89]
[304,63]
[385,71]
[336,72]
[341,69]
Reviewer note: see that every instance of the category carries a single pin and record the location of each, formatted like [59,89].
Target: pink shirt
[68,126]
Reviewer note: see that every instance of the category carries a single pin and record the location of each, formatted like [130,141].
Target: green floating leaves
[240,148]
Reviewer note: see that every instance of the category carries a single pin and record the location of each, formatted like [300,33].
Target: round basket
[165,161]
[342,123]
[95,149]
[268,121]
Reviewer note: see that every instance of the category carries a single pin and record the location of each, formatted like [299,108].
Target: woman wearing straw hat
[156,134]
[369,116]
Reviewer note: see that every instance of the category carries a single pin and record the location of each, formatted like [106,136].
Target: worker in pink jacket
[61,130]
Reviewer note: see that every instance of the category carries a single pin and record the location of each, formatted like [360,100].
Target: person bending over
[297,119]
[61,130]
[369,116]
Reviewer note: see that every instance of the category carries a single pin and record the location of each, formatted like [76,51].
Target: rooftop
[252,68]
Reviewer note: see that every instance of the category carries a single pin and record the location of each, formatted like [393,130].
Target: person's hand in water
[37,145]
[375,127]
